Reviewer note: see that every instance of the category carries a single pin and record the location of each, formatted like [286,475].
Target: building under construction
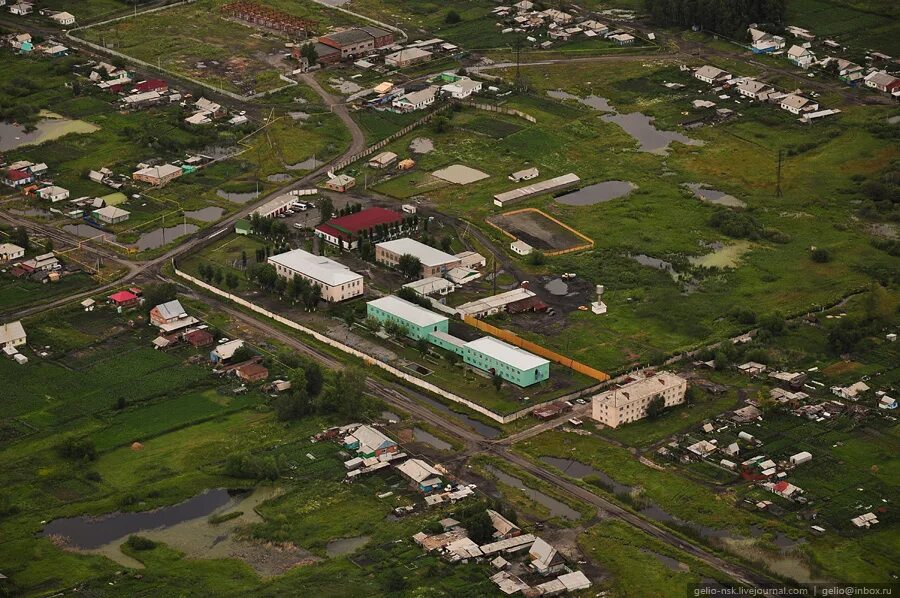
[269,18]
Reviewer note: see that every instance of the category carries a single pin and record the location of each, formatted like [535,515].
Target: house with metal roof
[369,442]
[12,335]
[419,322]
[425,477]
[336,281]
[434,261]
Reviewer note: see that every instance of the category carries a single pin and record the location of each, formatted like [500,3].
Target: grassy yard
[18,293]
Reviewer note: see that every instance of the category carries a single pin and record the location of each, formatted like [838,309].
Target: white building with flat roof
[434,261]
[12,335]
[628,403]
[336,281]
[431,285]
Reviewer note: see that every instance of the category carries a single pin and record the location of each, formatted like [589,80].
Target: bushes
[77,449]
[252,467]
[140,543]
[820,255]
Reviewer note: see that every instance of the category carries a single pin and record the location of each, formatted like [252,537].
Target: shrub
[452,18]
[820,255]
[140,543]
[77,449]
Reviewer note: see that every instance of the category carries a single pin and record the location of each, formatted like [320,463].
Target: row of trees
[295,290]
[213,274]
[727,17]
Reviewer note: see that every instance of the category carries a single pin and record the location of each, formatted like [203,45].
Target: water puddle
[577,469]
[431,440]
[13,136]
[557,287]
[483,429]
[308,164]
[556,508]
[32,212]
[598,193]
[208,214]
[241,198]
[279,177]
[185,527]
[421,145]
[649,138]
[592,101]
[653,262]
[713,196]
[343,546]
[161,236]
[669,562]
[85,230]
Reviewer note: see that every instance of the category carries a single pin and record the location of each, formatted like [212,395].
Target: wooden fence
[588,244]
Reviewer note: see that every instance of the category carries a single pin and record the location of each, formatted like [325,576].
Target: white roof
[794,101]
[541,187]
[418,470]
[429,256]
[508,354]
[408,311]
[710,72]
[160,171]
[226,350]
[370,438]
[274,205]
[407,54]
[11,332]
[112,212]
[797,51]
[10,248]
[384,157]
[52,190]
[431,284]
[171,309]
[145,96]
[449,338]
[639,389]
[495,301]
[417,97]
[319,268]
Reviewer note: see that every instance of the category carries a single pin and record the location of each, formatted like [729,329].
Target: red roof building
[17,178]
[252,372]
[346,230]
[198,338]
[124,298]
[152,85]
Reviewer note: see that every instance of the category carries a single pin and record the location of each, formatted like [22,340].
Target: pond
[431,440]
[342,546]
[556,508]
[279,177]
[186,528]
[52,126]
[577,469]
[713,196]
[669,562]
[597,193]
[88,532]
[482,428]
[649,138]
[207,214]
[652,262]
[238,197]
[592,101]
[85,230]
[160,236]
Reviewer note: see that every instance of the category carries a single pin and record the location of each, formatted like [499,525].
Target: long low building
[434,261]
[272,208]
[508,197]
[337,281]
[494,304]
[628,403]
[418,321]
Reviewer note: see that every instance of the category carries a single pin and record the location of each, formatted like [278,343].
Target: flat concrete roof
[412,313]
[508,354]
[322,269]
[429,256]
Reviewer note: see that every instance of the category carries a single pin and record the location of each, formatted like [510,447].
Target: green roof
[243,224]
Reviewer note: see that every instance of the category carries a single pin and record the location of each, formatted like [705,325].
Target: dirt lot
[537,230]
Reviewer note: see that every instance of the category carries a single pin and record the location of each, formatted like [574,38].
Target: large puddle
[47,129]
[483,429]
[557,286]
[431,440]
[238,197]
[638,125]
[161,236]
[597,193]
[208,214]
[279,177]
[343,546]
[713,196]
[727,256]
[185,527]
[86,231]
[556,508]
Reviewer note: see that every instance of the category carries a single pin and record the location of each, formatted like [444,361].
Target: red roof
[781,486]
[348,226]
[152,85]
[17,175]
[123,297]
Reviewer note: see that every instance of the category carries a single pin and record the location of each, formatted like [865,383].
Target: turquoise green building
[418,321]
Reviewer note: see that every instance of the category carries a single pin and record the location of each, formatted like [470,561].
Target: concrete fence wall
[368,359]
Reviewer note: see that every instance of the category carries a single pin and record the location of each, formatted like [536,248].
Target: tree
[77,449]
[536,258]
[373,324]
[446,244]
[20,237]
[721,360]
[308,51]
[394,581]
[655,407]
[409,266]
[879,305]
[231,281]
[497,381]
[156,293]
[440,124]
[314,378]
[243,260]
[294,404]
[422,345]
[452,18]
[326,209]
[218,276]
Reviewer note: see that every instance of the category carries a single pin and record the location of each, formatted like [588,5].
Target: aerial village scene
[470,298]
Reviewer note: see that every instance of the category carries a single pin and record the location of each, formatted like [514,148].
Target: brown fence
[514,339]
[588,244]
[501,110]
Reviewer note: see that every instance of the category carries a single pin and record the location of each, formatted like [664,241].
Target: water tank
[600,289]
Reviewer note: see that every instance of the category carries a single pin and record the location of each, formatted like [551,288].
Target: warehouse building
[418,321]
[507,361]
[357,41]
[628,403]
[434,261]
[345,231]
[336,281]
